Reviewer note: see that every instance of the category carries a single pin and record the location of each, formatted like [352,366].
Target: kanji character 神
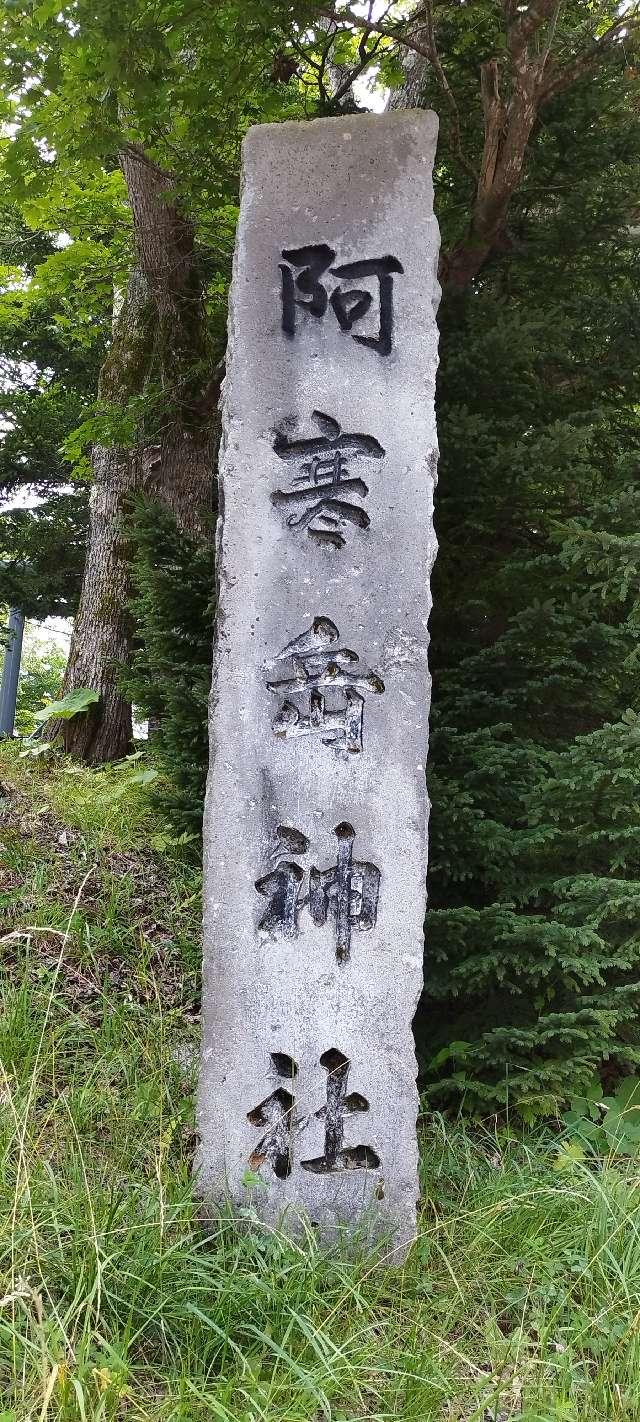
[347,892]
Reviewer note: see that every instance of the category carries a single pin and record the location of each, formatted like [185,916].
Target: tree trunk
[101,631]
[159,342]
[411,94]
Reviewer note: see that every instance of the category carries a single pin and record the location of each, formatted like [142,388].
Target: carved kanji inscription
[317,666]
[339,1105]
[323,478]
[315,835]
[277,1113]
[347,892]
[305,273]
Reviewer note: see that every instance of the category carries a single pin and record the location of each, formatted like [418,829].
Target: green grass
[520,1299]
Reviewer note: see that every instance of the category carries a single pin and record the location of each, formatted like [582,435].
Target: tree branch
[533,79]
[427,51]
[397,35]
[434,58]
[585,62]
[495,112]
[550,37]
[366,56]
[521,30]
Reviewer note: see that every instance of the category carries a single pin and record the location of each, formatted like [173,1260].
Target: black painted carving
[276,1113]
[290,840]
[323,477]
[283,884]
[342,728]
[284,1065]
[314,262]
[304,288]
[348,891]
[337,1156]
[282,888]
[316,670]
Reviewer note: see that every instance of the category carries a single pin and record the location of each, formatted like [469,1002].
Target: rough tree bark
[159,340]
[514,88]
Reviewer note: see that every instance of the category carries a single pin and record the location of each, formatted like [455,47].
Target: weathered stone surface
[318,759]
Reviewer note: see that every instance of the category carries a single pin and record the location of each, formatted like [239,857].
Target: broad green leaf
[71,705]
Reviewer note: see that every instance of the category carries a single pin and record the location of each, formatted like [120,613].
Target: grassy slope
[521,1298]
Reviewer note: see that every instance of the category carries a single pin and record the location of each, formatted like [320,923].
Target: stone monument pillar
[316,817]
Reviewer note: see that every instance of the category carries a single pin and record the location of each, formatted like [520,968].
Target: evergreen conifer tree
[170,674]
[533,933]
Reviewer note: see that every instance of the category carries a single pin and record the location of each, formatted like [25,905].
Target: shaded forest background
[123,132]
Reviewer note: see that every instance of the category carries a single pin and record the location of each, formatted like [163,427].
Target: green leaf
[457,1050]
[628,1093]
[252,1181]
[46,10]
[570,1152]
[71,705]
[142,777]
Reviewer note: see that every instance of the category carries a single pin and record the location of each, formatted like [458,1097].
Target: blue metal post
[11,672]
